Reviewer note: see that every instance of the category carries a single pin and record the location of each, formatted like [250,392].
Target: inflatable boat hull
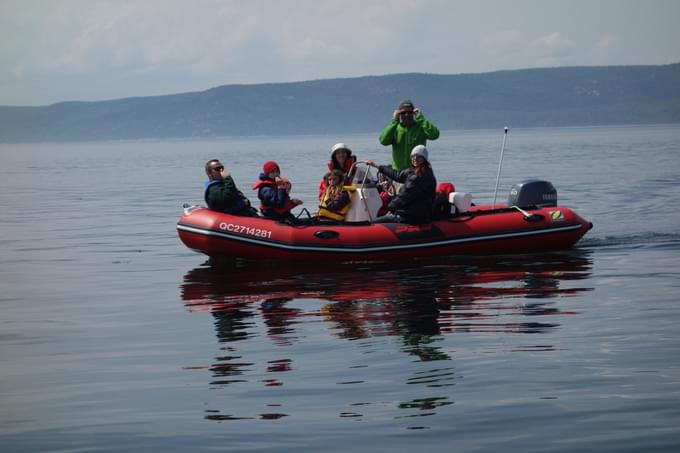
[482,231]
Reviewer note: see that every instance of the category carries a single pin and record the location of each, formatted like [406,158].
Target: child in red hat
[274,193]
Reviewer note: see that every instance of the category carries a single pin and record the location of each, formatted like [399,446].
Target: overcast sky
[60,50]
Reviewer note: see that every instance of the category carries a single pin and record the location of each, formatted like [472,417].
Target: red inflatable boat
[531,222]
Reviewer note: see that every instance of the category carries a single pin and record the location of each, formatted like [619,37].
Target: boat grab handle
[529,217]
[326,234]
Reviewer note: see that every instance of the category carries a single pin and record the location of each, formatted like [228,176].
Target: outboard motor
[533,192]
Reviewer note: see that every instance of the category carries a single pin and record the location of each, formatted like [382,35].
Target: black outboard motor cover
[533,192]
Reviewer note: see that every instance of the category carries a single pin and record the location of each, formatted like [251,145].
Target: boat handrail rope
[304,211]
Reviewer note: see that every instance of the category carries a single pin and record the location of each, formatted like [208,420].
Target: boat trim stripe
[379,248]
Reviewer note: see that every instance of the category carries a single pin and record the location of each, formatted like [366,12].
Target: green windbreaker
[403,139]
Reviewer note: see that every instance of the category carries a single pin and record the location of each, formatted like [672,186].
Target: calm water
[114,337]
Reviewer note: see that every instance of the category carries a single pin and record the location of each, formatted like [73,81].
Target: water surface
[114,337]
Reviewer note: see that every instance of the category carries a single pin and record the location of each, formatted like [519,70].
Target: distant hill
[568,96]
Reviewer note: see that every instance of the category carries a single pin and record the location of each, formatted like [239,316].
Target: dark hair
[338,173]
[336,164]
[207,164]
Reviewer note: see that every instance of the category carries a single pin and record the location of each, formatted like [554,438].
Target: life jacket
[446,188]
[345,171]
[287,206]
[239,202]
[334,215]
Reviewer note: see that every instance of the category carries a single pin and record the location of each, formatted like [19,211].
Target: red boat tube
[483,230]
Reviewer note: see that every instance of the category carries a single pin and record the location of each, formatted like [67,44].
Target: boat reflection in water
[420,303]
[415,300]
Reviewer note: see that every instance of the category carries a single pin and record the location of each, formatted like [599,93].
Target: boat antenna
[500,162]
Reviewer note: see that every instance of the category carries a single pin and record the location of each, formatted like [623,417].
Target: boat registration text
[243,229]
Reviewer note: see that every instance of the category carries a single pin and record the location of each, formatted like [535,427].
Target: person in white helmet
[414,202]
[343,160]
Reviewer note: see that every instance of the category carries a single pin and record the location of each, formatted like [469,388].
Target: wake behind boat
[532,221]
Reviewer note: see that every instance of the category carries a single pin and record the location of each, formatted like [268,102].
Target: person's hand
[296,201]
[224,173]
[396,114]
[283,183]
[370,163]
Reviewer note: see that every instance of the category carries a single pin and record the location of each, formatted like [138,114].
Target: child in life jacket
[335,200]
[274,193]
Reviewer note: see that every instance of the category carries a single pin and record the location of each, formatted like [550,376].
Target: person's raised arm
[431,131]
[387,135]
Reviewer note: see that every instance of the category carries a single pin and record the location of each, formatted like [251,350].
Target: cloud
[504,46]
[133,37]
[605,47]
[607,42]
[516,49]
[51,50]
[502,40]
[341,34]
[552,45]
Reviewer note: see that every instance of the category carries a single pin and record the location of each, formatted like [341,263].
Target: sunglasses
[218,168]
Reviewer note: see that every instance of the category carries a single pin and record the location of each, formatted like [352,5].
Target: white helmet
[338,146]
[419,150]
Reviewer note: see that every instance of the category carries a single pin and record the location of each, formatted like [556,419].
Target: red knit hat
[269,167]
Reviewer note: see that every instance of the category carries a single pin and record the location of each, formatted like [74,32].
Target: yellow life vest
[334,215]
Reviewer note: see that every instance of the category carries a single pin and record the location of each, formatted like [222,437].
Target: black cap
[406,104]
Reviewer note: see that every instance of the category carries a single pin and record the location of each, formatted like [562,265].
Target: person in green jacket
[220,192]
[407,129]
